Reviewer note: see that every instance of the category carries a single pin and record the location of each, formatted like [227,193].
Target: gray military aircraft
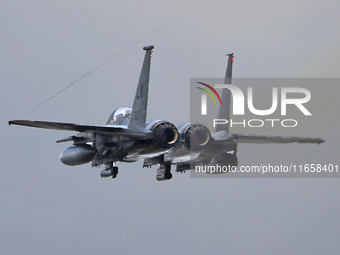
[128,137]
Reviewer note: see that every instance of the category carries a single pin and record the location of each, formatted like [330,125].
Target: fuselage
[120,148]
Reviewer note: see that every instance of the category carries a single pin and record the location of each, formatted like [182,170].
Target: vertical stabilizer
[140,103]
[224,112]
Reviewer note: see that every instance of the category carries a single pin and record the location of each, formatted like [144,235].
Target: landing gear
[235,151]
[228,159]
[114,171]
[110,171]
[164,172]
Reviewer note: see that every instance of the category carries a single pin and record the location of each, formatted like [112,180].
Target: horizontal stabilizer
[243,138]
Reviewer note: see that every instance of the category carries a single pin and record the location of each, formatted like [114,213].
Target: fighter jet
[128,137]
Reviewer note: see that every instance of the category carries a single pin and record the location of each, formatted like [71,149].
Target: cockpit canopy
[120,116]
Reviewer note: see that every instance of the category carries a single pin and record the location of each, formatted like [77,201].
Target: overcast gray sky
[49,208]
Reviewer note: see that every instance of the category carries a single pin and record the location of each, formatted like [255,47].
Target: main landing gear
[110,171]
[164,172]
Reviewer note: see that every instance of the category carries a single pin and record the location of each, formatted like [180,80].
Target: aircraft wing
[244,138]
[102,129]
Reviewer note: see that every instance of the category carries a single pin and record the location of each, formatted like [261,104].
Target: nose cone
[77,155]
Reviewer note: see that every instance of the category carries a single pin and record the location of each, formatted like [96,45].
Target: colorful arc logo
[204,97]
[209,93]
